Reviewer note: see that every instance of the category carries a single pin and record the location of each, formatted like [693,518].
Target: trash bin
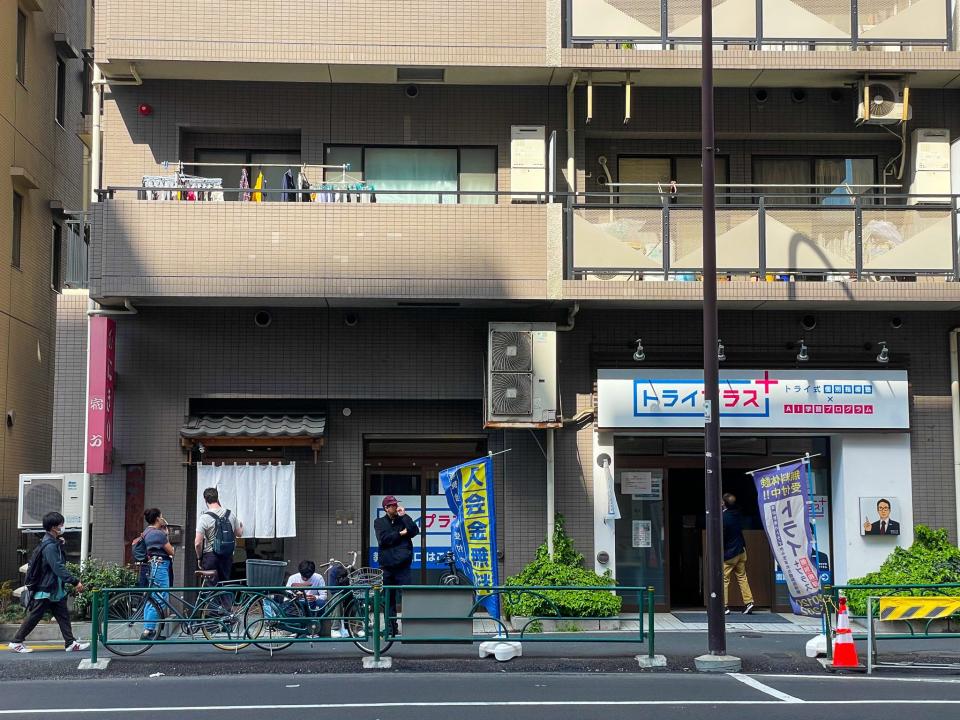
[266,573]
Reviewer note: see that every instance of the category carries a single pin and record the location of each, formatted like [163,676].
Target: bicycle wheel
[125,621]
[450,579]
[273,633]
[221,620]
[360,616]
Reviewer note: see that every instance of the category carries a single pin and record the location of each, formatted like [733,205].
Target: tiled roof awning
[254,430]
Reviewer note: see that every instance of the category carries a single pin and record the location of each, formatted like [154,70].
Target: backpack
[34,574]
[140,550]
[224,539]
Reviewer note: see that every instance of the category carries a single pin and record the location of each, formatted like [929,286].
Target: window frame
[21,59]
[672,158]
[812,169]
[248,154]
[394,146]
[60,103]
[16,234]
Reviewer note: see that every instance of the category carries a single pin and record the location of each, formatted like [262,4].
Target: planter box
[567,624]
[45,632]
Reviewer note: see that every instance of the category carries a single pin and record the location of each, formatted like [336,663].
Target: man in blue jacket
[395,531]
[47,583]
[734,554]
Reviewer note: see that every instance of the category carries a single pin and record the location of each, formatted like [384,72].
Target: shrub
[566,568]
[10,608]
[96,575]
[931,559]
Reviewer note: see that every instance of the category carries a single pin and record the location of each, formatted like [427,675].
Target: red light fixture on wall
[144,109]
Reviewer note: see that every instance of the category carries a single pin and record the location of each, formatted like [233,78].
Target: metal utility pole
[716,629]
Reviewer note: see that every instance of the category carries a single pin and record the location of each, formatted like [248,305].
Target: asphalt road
[517,696]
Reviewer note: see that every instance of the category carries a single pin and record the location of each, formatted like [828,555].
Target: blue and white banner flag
[473,533]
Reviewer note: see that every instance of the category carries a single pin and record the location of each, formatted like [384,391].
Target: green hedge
[931,559]
[566,568]
[96,575]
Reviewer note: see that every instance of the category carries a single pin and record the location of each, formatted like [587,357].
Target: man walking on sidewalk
[734,554]
[47,578]
[394,533]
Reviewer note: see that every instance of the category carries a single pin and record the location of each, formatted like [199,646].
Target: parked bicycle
[221,612]
[451,576]
[274,621]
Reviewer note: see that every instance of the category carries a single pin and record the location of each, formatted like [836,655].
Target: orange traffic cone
[844,649]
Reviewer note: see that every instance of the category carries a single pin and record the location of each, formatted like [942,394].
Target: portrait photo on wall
[879,516]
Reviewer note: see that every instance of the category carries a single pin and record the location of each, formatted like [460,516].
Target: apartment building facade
[303,244]
[42,145]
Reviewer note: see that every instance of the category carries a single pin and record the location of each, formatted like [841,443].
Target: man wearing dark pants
[206,532]
[395,531]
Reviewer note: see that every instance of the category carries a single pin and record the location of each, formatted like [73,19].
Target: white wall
[868,466]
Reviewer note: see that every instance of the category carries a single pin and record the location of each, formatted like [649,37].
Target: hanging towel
[288,184]
[266,514]
[257,187]
[303,184]
[286,501]
[244,185]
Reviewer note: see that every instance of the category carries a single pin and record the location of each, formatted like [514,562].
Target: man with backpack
[217,533]
[46,581]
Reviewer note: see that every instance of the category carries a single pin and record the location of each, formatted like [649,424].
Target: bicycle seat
[202,575]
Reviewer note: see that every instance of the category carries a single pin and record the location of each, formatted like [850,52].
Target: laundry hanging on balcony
[261,495]
[181,187]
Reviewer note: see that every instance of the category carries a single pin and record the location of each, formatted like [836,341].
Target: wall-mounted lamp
[144,109]
[721,351]
[884,357]
[803,355]
[639,355]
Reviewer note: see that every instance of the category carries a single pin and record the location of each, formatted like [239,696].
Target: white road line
[454,704]
[861,678]
[757,685]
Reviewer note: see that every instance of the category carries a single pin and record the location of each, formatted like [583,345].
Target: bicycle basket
[365,576]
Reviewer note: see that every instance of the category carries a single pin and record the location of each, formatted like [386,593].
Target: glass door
[641,534]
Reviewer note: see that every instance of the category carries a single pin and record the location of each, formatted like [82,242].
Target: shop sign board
[756,399]
[101,379]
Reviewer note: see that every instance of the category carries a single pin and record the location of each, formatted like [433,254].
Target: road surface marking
[861,678]
[38,648]
[757,685]
[458,704]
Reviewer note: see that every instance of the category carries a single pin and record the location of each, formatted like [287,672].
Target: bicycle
[451,576]
[215,613]
[290,613]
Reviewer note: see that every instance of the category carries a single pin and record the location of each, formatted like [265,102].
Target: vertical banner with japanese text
[473,533]
[101,379]
[783,493]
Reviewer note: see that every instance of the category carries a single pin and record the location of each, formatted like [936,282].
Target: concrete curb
[44,632]
[657,661]
[718,663]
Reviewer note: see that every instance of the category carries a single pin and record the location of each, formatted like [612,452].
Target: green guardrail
[833,593]
[271,618]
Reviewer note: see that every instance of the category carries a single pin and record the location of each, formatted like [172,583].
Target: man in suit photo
[883,526]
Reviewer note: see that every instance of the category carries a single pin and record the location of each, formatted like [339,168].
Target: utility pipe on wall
[96,150]
[955,412]
[571,121]
[551,492]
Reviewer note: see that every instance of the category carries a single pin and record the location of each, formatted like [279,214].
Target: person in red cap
[395,532]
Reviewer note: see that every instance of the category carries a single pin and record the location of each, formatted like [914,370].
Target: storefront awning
[254,431]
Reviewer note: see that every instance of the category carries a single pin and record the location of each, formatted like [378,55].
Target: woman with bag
[159,563]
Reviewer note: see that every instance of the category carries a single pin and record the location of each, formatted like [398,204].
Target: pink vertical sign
[100,384]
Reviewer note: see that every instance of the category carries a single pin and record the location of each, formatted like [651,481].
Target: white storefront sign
[756,399]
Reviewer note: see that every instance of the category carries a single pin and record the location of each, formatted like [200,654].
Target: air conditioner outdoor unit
[40,494]
[929,166]
[521,382]
[883,102]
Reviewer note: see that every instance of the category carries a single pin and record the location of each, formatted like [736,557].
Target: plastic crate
[266,573]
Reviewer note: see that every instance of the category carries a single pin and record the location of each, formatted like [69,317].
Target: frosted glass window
[423,169]
[478,172]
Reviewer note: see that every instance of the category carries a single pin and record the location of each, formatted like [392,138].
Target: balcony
[169,250]
[278,39]
[761,24]
[792,250]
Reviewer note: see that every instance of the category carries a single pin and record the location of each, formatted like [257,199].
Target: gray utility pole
[716,629]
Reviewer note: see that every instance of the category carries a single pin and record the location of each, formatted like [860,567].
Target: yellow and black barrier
[918,608]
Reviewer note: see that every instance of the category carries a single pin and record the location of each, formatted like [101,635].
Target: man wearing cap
[395,532]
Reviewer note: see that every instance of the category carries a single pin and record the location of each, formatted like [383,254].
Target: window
[418,174]
[685,170]
[17,228]
[56,254]
[61,90]
[21,47]
[254,161]
[820,180]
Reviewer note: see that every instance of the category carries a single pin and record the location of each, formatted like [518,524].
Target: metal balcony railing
[206,194]
[767,237]
[761,24]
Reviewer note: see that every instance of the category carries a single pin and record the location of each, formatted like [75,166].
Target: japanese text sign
[782,493]
[473,533]
[761,399]
[101,380]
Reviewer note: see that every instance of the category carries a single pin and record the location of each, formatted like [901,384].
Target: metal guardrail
[369,611]
[659,236]
[877,591]
[667,25]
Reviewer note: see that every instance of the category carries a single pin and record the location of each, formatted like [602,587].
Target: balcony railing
[761,24]
[617,237]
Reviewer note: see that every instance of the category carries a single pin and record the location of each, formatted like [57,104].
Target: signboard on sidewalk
[760,399]
[101,379]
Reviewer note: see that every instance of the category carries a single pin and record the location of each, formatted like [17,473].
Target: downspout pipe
[955,411]
[571,123]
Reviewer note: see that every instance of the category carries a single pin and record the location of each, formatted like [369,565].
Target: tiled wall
[52,155]
[430,32]
[433,387]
